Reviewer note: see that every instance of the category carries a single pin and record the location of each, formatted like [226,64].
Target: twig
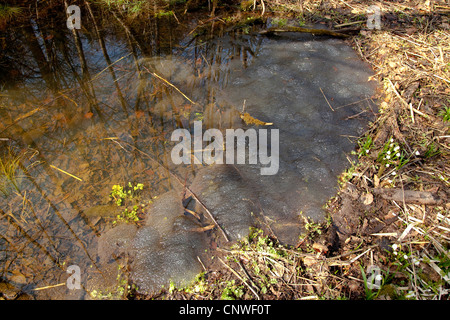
[408,106]
[326,99]
[49,287]
[69,174]
[247,275]
[412,112]
[109,66]
[204,268]
[203,229]
[240,278]
[355,115]
[195,214]
[397,94]
[359,256]
[206,209]
[349,24]
[170,84]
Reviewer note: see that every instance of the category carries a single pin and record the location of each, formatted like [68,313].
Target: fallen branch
[316,32]
[240,278]
[409,196]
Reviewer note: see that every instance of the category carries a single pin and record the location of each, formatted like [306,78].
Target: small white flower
[394,246]
[388,157]
[405,257]
[388,152]
[367,151]
[379,277]
[396,148]
[392,140]
[398,154]
[417,153]
[394,173]
[387,165]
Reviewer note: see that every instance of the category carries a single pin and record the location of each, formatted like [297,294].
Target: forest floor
[388,228]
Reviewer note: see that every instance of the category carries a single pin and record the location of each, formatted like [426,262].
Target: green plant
[392,155]
[127,216]
[163,13]
[445,114]
[314,229]
[365,146]
[199,116]
[7,12]
[123,196]
[347,175]
[280,22]
[136,7]
[232,291]
[9,165]
[117,194]
[432,150]
[369,285]
[120,194]
[172,286]
[199,285]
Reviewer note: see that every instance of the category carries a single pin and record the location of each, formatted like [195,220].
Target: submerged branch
[317,32]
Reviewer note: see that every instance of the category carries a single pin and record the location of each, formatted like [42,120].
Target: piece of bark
[409,196]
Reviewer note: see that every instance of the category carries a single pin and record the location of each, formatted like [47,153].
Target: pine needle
[69,174]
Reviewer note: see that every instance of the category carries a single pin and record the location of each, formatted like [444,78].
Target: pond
[88,173]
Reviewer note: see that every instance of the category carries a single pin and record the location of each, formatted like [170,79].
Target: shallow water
[103,116]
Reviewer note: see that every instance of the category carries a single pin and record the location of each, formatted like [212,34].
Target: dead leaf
[88,115]
[367,198]
[18,277]
[248,119]
[309,261]
[139,114]
[376,181]
[320,247]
